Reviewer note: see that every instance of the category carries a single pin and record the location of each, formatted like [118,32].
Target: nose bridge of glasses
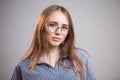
[59,29]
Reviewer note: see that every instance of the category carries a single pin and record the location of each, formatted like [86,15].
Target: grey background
[97,29]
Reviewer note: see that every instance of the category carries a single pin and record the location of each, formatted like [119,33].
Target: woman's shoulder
[24,62]
[83,54]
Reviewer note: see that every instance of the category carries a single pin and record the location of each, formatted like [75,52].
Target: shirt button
[49,69]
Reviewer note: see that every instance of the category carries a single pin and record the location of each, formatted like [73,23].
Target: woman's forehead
[58,16]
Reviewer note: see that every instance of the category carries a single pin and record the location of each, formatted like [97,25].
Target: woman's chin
[55,44]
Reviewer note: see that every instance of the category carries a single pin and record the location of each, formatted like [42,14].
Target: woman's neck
[54,51]
[52,57]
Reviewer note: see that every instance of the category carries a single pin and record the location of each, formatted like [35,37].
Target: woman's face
[57,28]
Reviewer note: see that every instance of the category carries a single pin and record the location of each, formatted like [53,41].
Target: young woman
[52,54]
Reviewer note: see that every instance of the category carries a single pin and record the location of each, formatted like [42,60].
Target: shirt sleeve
[89,72]
[17,74]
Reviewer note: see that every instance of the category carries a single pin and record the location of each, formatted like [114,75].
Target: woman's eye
[64,27]
[52,25]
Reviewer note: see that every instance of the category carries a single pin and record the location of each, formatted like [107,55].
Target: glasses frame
[57,27]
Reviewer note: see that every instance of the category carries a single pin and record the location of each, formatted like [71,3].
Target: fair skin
[55,39]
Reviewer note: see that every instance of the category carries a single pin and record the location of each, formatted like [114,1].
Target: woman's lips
[56,39]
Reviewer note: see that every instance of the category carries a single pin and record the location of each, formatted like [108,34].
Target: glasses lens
[64,29]
[52,26]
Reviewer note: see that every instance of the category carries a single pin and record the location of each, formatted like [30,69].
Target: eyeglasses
[53,26]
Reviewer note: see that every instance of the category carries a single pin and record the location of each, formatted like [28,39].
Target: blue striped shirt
[44,71]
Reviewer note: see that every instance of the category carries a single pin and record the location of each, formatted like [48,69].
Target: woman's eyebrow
[52,22]
[57,23]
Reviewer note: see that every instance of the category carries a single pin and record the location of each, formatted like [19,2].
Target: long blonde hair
[40,44]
